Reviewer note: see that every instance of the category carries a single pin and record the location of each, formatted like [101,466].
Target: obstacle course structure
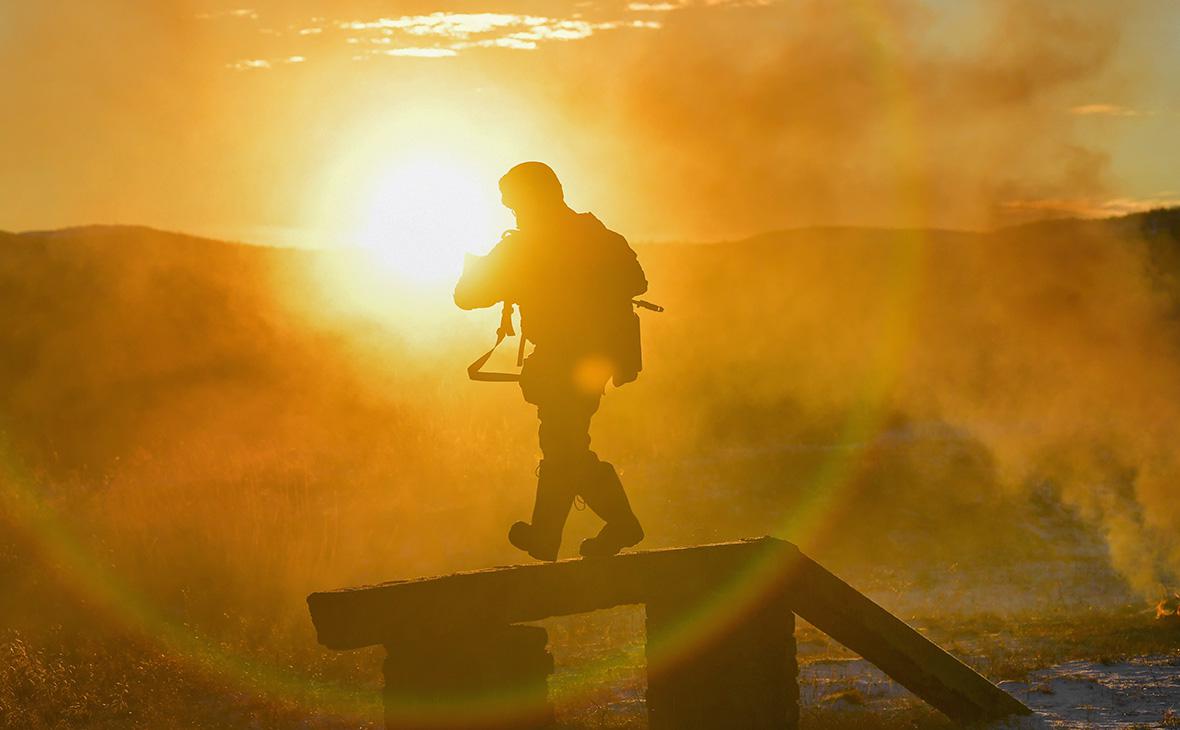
[457,658]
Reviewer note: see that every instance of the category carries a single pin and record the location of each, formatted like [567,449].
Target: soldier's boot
[604,494]
[555,495]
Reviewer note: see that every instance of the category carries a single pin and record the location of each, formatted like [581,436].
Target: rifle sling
[475,369]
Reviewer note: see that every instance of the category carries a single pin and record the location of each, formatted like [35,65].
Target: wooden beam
[910,659]
[356,617]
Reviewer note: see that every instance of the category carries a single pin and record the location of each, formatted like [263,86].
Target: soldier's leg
[604,494]
[565,436]
[567,459]
[541,537]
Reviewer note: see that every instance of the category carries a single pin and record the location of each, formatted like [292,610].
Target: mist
[794,114]
[919,397]
[727,120]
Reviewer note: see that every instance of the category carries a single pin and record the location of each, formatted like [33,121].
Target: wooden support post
[477,677]
[743,674]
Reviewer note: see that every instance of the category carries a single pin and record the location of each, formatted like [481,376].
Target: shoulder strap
[475,369]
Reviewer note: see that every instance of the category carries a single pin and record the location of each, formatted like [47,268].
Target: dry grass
[171,595]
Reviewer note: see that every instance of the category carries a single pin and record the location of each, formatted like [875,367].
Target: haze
[872,345]
[280,122]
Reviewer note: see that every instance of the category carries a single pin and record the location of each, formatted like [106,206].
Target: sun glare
[401,198]
[423,213]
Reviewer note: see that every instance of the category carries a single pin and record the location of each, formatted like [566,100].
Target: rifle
[644,304]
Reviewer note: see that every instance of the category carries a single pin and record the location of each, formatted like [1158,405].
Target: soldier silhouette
[573,280]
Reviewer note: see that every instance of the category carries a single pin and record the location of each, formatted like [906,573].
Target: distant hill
[97,323]
[914,379]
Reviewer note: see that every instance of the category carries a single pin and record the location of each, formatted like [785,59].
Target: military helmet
[531,184]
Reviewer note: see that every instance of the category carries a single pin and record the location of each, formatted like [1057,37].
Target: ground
[1107,664]
[1115,668]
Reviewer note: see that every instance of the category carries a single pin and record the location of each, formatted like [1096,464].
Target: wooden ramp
[720,645]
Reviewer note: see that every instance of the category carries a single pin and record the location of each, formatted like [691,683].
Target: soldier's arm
[482,282]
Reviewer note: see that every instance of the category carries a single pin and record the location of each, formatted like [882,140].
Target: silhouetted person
[573,280]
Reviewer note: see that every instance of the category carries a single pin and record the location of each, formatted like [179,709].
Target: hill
[106,323]
[908,375]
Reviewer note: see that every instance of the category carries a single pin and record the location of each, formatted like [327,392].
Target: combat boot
[555,495]
[604,494]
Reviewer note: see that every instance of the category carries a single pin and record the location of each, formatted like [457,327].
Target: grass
[115,681]
[171,595]
[163,603]
[104,679]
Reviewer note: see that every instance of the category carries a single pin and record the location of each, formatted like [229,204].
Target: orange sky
[279,121]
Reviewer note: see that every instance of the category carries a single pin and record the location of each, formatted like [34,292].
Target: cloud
[1095,208]
[513,41]
[455,32]
[262,64]
[249,64]
[654,7]
[246,13]
[1104,110]
[454,25]
[664,7]
[422,52]
[445,34]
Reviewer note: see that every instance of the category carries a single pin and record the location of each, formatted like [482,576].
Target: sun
[412,189]
[395,220]
[420,214]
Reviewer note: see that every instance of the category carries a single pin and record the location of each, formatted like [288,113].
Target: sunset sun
[422,213]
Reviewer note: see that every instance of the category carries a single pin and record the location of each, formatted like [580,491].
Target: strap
[475,369]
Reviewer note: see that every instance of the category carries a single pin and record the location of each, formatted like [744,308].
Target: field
[67,677]
[975,429]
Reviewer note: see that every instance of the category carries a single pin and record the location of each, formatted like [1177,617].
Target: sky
[315,122]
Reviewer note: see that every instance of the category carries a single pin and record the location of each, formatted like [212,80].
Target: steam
[791,114]
[1067,344]
[1056,348]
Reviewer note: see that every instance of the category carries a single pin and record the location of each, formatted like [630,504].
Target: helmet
[531,185]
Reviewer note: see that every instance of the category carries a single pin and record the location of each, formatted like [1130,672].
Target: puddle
[1141,692]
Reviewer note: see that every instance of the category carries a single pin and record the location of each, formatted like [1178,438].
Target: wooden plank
[355,617]
[912,660]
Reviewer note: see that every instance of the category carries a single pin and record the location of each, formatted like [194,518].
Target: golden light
[412,190]
[400,197]
[403,218]
[421,213]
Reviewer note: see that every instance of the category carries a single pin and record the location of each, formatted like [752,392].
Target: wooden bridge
[456,657]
